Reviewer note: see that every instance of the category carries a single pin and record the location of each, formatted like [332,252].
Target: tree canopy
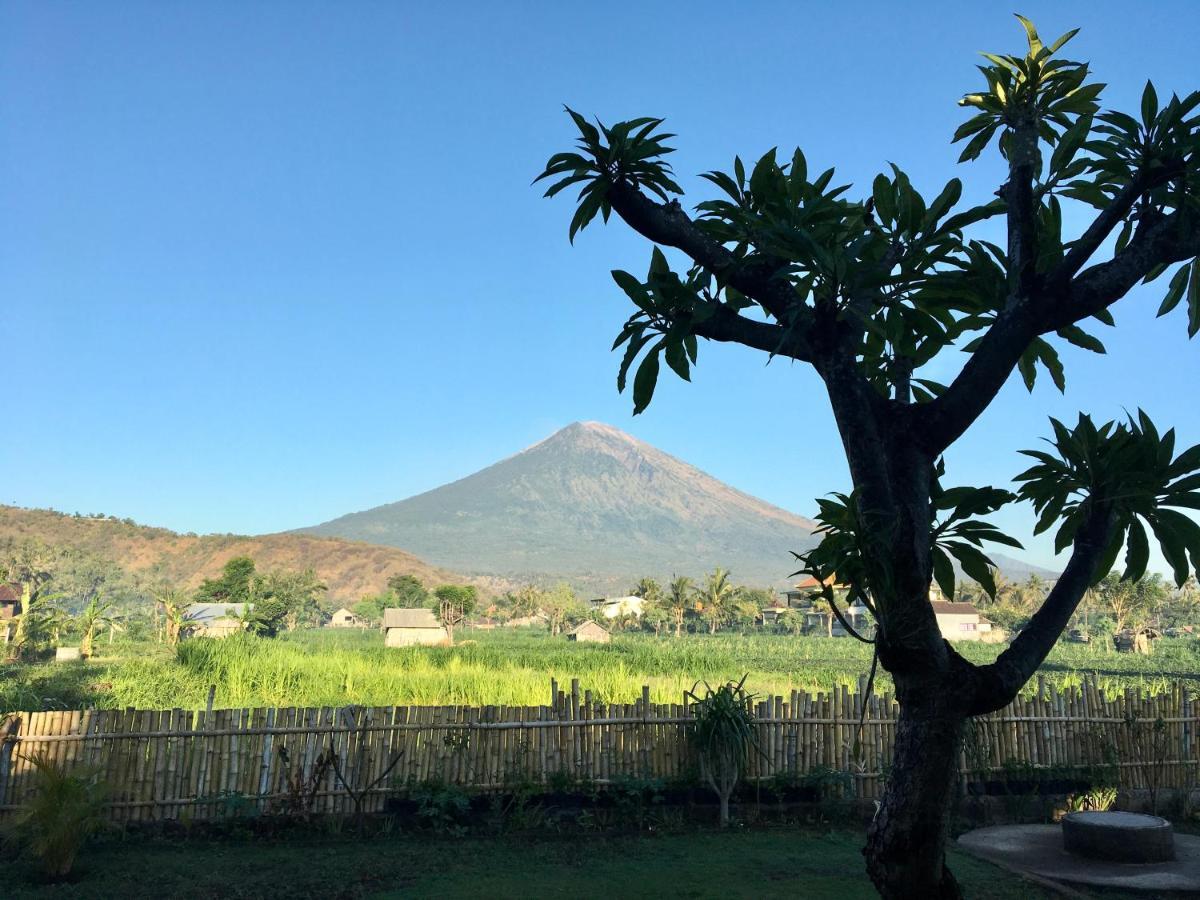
[870,287]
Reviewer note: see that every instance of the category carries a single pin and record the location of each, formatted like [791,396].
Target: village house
[771,614]
[10,608]
[589,632]
[962,622]
[800,595]
[1136,640]
[407,627]
[343,618]
[613,607]
[216,620]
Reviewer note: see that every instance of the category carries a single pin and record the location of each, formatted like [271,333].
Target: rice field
[337,668]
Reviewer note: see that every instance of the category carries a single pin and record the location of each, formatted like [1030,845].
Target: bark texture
[905,849]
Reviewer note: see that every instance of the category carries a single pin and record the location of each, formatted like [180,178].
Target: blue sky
[266,263]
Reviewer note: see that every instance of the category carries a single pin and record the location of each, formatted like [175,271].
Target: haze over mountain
[593,505]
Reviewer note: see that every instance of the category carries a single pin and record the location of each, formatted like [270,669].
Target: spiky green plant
[723,736]
[64,811]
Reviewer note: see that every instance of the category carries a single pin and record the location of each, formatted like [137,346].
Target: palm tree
[715,597]
[679,600]
[93,617]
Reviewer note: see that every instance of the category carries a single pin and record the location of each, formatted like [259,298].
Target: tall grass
[336,668]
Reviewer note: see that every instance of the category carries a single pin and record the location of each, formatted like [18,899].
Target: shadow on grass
[31,687]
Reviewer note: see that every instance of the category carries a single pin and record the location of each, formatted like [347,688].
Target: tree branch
[999,682]
[668,224]
[1108,219]
[1022,219]
[1160,240]
[727,326]
[941,422]
[1164,239]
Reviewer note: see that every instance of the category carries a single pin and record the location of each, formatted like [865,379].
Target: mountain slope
[351,570]
[592,504]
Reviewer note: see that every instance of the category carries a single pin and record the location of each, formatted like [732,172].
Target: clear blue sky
[265,263]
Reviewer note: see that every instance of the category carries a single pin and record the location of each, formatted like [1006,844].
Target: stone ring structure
[1118,836]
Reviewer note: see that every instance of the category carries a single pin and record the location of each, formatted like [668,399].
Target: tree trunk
[906,842]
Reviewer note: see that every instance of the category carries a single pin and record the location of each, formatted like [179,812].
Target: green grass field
[334,668]
[782,862]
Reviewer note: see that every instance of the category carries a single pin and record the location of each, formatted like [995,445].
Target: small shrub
[65,810]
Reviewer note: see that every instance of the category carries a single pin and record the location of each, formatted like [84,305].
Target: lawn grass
[780,862]
[329,667]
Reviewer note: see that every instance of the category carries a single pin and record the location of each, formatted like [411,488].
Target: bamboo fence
[184,764]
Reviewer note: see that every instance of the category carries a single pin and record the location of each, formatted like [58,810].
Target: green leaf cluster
[1034,91]
[1130,470]
[959,534]
[628,152]
[667,307]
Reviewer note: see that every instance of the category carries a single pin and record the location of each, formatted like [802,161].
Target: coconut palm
[715,598]
[678,600]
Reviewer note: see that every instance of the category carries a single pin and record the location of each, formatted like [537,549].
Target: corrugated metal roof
[410,618]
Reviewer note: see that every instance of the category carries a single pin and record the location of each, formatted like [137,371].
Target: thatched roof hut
[589,632]
[405,627]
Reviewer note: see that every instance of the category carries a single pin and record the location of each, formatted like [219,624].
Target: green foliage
[955,531]
[895,265]
[1035,89]
[336,667]
[408,591]
[958,534]
[714,599]
[370,609]
[285,600]
[63,812]
[235,584]
[453,603]
[627,154]
[442,807]
[1127,468]
[1098,799]
[96,615]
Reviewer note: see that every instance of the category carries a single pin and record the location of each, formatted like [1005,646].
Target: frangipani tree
[869,288]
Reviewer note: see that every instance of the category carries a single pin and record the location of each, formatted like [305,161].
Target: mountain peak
[593,504]
[598,429]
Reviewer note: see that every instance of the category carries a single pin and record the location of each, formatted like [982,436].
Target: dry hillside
[351,569]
